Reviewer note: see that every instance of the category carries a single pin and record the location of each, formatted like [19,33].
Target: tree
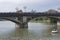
[18,11]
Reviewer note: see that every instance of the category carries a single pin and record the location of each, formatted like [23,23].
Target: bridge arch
[39,17]
[11,19]
[21,22]
[52,19]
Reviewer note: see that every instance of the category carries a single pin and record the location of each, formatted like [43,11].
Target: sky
[38,5]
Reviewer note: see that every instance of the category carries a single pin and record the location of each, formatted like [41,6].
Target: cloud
[41,1]
[7,6]
[31,4]
[30,1]
[35,1]
[25,1]
[13,1]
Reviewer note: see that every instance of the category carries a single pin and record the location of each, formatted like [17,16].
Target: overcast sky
[39,5]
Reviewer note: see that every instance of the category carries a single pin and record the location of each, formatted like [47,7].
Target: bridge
[14,14]
[21,19]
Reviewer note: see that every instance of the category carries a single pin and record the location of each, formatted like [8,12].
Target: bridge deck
[14,14]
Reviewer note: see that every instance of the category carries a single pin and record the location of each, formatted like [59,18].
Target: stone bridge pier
[24,21]
[57,24]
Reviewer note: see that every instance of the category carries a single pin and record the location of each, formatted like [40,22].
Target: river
[35,31]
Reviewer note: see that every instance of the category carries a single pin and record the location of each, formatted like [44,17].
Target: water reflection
[35,31]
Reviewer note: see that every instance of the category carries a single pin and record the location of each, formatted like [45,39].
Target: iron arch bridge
[24,18]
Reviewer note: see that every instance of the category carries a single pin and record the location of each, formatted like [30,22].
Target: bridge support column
[18,25]
[25,23]
[54,21]
[58,25]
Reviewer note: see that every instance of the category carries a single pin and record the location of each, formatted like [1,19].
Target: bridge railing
[14,14]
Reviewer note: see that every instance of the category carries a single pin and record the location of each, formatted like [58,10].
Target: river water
[35,31]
